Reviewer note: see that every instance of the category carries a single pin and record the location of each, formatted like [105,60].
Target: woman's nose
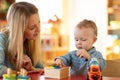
[38,28]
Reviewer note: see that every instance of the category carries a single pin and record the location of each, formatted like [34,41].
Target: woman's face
[33,29]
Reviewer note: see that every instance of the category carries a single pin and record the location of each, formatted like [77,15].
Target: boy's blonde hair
[87,24]
[17,18]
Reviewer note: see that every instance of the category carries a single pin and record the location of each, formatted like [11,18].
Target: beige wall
[95,10]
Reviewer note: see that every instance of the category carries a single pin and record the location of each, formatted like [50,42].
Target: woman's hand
[37,70]
[26,63]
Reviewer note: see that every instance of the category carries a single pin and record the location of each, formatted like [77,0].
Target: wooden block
[59,73]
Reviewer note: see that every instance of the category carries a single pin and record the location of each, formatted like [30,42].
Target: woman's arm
[3,67]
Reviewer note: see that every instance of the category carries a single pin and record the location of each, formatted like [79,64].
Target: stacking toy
[23,75]
[94,71]
[9,75]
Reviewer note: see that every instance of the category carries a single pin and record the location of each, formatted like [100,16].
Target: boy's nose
[80,43]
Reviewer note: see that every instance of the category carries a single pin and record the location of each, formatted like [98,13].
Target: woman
[20,40]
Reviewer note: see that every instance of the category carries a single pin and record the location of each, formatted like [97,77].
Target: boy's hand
[59,62]
[83,53]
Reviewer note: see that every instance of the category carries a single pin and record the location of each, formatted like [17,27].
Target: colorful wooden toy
[9,75]
[23,75]
[57,72]
[94,72]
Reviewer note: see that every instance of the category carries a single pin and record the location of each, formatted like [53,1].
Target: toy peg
[24,72]
[9,71]
[9,75]
[23,75]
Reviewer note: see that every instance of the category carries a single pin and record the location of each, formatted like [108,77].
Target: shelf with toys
[53,42]
[53,46]
[113,37]
[3,23]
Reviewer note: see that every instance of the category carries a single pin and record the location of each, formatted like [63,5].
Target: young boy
[85,35]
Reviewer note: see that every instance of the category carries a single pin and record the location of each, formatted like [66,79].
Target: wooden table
[111,78]
[37,76]
[42,77]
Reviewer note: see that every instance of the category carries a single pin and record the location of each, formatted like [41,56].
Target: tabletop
[37,76]
[42,77]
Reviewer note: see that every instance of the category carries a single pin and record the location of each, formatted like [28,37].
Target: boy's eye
[83,39]
[76,39]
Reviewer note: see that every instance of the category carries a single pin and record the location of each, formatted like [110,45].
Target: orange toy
[94,72]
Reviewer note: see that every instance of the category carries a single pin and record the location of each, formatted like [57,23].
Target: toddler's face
[84,38]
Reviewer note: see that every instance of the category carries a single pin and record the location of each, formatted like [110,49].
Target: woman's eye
[32,27]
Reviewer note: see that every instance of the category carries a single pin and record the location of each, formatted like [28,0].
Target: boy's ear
[95,38]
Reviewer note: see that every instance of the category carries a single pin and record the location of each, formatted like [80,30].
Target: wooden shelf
[3,23]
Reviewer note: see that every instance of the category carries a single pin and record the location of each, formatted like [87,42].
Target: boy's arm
[66,59]
[102,63]
[101,60]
